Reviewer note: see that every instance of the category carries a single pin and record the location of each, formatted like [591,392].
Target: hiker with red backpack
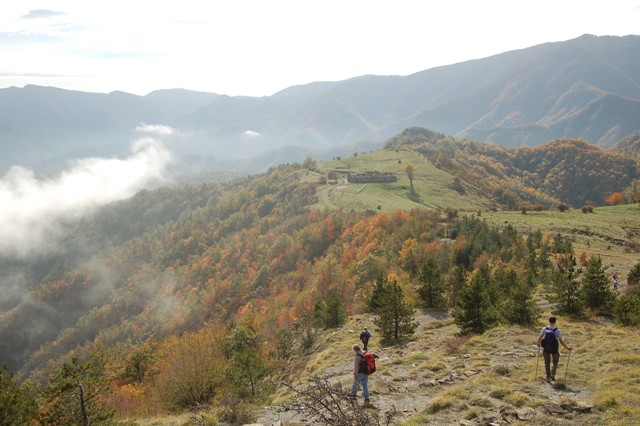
[364,364]
[550,340]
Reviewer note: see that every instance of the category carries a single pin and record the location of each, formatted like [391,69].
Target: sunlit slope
[612,232]
[432,187]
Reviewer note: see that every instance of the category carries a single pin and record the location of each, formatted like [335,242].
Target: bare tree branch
[334,405]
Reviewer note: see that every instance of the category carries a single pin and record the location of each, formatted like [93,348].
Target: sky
[237,47]
[259,47]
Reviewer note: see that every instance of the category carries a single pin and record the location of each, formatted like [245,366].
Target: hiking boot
[548,379]
[553,378]
[366,401]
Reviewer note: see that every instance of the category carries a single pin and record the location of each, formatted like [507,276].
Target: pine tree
[330,313]
[455,283]
[375,299]
[431,284]
[595,284]
[519,306]
[73,395]
[395,315]
[634,275]
[567,289]
[478,303]
[17,407]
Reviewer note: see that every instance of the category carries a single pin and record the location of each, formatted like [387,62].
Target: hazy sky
[258,47]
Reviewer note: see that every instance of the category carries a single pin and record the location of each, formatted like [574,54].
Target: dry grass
[493,371]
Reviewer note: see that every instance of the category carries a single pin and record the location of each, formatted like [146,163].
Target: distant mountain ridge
[587,88]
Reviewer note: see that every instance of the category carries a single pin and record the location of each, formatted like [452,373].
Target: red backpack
[367,364]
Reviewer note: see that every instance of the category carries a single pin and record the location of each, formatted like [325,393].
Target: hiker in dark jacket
[364,338]
[549,339]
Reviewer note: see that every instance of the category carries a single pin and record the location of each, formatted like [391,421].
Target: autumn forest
[210,293]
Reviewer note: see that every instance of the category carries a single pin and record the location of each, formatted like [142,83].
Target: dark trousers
[365,342]
[551,371]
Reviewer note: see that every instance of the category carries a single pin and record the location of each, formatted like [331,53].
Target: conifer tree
[534,243]
[73,395]
[566,287]
[431,284]
[17,407]
[455,283]
[595,284]
[634,275]
[330,313]
[395,315]
[375,299]
[518,306]
[478,303]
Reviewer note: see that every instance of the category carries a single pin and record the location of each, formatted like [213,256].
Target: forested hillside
[203,294]
[630,143]
[570,170]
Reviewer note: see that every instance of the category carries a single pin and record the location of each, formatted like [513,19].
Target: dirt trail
[410,387]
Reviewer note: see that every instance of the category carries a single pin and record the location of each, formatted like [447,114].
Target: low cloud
[250,134]
[155,129]
[34,209]
[41,13]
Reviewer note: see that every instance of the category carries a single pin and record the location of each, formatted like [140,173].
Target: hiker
[615,281]
[549,338]
[364,338]
[359,377]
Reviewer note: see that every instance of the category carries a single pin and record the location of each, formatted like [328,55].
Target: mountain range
[588,87]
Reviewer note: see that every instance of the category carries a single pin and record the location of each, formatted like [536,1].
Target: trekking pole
[567,369]
[537,359]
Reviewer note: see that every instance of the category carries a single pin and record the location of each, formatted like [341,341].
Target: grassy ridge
[611,232]
[433,188]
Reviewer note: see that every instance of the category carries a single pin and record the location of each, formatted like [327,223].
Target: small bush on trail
[321,402]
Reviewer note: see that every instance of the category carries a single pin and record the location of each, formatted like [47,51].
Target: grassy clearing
[433,188]
[611,232]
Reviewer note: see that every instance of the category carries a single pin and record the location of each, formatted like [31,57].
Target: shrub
[634,275]
[192,368]
[627,309]
[236,411]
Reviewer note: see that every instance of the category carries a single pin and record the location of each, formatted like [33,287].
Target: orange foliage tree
[615,198]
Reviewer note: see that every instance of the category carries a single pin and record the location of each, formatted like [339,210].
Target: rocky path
[410,381]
